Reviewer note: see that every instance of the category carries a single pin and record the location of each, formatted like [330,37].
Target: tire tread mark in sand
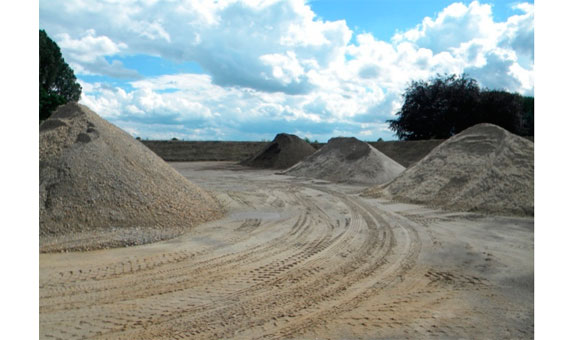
[202,326]
[314,249]
[405,263]
[301,296]
[232,260]
[171,290]
[101,272]
[111,270]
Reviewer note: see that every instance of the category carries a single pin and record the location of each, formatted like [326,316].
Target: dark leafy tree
[528,117]
[436,109]
[501,108]
[57,80]
[447,105]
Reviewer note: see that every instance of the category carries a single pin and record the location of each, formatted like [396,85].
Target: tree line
[448,104]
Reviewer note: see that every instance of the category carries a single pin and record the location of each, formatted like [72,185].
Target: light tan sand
[300,259]
[484,169]
[347,160]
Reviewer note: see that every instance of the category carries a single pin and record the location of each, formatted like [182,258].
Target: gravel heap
[347,160]
[99,187]
[284,151]
[482,169]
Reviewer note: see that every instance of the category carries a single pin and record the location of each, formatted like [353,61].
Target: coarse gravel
[99,187]
[347,160]
[483,169]
[281,153]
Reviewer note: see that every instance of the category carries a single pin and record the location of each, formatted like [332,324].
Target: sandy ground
[297,259]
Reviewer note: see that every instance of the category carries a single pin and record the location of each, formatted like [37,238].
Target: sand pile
[348,160]
[484,168]
[106,188]
[284,151]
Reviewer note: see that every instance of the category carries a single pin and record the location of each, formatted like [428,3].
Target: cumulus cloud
[240,43]
[497,54]
[455,25]
[519,33]
[272,65]
[87,55]
[186,102]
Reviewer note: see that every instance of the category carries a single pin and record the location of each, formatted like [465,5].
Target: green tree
[436,109]
[528,117]
[501,108]
[57,80]
[447,105]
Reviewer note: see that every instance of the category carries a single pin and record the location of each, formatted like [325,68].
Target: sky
[249,69]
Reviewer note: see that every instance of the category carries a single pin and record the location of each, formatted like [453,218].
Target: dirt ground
[300,259]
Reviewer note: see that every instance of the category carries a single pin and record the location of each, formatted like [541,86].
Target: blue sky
[249,69]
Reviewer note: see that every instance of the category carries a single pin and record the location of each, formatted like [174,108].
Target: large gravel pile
[484,168]
[284,151]
[99,187]
[347,160]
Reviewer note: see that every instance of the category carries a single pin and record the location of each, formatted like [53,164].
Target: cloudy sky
[248,69]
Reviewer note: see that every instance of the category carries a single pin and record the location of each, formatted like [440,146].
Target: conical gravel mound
[347,159]
[284,151]
[99,187]
[484,169]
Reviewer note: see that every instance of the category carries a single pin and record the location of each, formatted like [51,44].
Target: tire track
[335,253]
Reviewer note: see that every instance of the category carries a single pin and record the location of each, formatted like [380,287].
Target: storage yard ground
[298,258]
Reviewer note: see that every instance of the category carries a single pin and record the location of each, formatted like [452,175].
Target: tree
[436,109]
[447,105]
[57,80]
[528,117]
[501,108]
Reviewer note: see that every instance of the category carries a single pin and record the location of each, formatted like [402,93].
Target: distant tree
[501,108]
[448,104]
[436,109]
[528,116]
[57,80]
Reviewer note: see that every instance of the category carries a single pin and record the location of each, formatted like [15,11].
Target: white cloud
[87,54]
[273,65]
[90,47]
[519,32]
[455,25]
[232,40]
[467,39]
[285,67]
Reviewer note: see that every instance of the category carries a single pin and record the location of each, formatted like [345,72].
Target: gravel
[482,169]
[347,160]
[96,178]
[284,151]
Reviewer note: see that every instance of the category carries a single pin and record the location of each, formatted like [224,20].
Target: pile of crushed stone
[284,151]
[482,169]
[99,187]
[347,160]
